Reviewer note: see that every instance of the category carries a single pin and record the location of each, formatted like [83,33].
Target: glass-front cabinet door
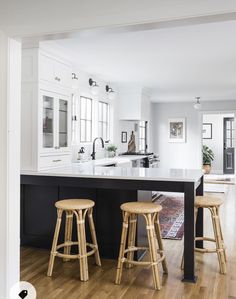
[55,123]
[48,122]
[63,123]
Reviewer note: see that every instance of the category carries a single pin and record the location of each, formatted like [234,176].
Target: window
[103,120]
[74,125]
[142,136]
[85,119]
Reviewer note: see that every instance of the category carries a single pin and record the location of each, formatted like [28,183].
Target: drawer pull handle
[56,160]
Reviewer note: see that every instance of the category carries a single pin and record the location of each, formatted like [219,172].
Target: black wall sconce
[111,92]
[94,86]
[74,76]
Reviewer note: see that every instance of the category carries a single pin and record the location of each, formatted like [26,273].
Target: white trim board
[10,85]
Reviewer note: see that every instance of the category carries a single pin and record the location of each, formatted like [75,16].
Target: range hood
[134,104]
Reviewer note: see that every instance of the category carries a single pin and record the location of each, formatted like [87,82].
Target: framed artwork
[176,130]
[124,137]
[207,130]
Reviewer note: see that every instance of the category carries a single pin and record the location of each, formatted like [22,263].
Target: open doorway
[219,137]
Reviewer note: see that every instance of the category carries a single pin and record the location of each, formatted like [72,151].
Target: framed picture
[124,137]
[207,131]
[176,130]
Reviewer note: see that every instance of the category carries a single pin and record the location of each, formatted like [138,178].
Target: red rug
[171,217]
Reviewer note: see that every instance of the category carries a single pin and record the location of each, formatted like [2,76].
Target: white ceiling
[31,17]
[176,64]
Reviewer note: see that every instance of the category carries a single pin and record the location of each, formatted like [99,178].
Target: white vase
[111,154]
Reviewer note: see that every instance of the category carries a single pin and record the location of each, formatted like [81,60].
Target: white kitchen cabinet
[55,122]
[46,111]
[54,71]
[51,161]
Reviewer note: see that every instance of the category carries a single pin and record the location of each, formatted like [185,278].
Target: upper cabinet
[53,71]
[134,104]
[46,110]
[42,67]
[55,123]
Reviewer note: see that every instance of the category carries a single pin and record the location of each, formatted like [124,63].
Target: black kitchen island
[109,188]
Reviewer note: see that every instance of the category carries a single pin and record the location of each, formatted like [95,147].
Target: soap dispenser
[81,153]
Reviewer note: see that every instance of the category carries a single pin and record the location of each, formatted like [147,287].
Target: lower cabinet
[54,161]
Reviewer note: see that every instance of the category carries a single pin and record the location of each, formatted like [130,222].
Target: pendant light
[197,105]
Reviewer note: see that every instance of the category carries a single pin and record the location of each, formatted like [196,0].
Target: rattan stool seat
[208,201]
[74,204]
[140,207]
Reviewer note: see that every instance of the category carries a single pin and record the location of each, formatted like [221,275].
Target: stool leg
[131,237]
[221,234]
[82,245]
[93,235]
[219,248]
[160,243]
[68,233]
[54,244]
[122,248]
[153,251]
[80,240]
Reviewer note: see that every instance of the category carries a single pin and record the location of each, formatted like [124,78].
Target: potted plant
[111,150]
[207,158]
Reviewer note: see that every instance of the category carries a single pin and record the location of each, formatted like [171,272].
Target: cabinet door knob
[56,160]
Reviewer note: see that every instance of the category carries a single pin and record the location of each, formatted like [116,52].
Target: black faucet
[94,141]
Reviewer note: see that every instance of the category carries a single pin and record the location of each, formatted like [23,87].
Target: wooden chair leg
[160,243]
[153,251]
[54,244]
[218,240]
[82,245]
[80,240]
[221,234]
[122,247]
[68,233]
[131,237]
[93,235]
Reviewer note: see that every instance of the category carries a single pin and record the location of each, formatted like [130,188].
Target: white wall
[217,142]
[176,155]
[182,155]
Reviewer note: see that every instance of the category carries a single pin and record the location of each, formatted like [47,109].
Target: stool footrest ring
[139,263]
[74,256]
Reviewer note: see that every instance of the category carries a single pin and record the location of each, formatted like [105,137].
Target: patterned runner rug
[171,216]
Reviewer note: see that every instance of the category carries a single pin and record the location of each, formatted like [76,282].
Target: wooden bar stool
[150,212]
[213,204]
[78,208]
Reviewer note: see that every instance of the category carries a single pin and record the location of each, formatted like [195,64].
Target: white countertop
[89,170]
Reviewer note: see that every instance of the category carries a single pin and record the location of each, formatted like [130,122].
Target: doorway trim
[215,112]
[10,90]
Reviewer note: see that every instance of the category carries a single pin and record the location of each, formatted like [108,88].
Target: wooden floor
[137,282]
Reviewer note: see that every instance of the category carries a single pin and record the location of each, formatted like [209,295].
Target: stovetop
[137,153]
